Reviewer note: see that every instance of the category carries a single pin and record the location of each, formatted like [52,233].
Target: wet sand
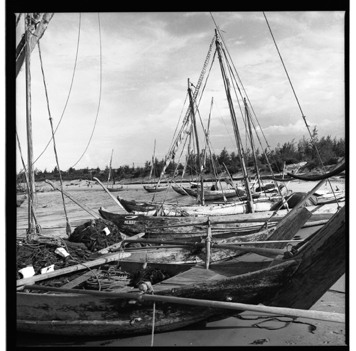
[247,329]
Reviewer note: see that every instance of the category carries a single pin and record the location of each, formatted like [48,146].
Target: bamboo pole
[87,209]
[31,234]
[111,195]
[200,169]
[291,312]
[208,246]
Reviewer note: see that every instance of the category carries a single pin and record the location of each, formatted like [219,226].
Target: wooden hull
[178,227]
[83,315]
[195,226]
[296,280]
[231,208]
[113,190]
[180,190]
[20,200]
[155,188]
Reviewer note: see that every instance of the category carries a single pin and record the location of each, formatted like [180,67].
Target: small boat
[155,188]
[183,295]
[20,200]
[114,189]
[189,226]
[175,210]
[180,190]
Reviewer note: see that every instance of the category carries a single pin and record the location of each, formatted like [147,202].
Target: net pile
[96,234]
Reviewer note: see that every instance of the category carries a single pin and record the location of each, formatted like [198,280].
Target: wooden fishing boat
[115,189]
[155,188]
[173,227]
[180,190]
[20,200]
[175,210]
[290,279]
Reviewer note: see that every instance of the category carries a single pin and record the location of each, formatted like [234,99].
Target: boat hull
[86,315]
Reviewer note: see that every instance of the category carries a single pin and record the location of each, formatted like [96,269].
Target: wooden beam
[83,278]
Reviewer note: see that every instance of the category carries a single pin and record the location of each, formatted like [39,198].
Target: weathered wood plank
[84,277]
[315,275]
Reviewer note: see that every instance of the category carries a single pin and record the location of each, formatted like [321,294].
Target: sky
[146,59]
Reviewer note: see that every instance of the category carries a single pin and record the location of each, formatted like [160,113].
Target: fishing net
[96,234]
[42,254]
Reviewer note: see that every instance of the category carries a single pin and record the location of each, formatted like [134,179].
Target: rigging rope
[69,93]
[100,90]
[300,108]
[68,228]
[38,227]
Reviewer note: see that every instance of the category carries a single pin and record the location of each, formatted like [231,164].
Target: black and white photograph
[181,178]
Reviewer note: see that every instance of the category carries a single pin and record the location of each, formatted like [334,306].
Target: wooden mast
[197,143]
[110,165]
[235,125]
[153,159]
[252,143]
[39,29]
[31,176]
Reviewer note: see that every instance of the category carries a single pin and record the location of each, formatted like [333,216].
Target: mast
[109,176]
[153,158]
[197,143]
[31,176]
[39,27]
[252,143]
[234,123]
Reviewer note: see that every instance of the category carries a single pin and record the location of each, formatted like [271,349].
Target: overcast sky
[146,61]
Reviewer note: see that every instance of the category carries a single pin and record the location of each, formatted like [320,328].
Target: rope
[300,108]
[100,90]
[38,227]
[68,228]
[70,90]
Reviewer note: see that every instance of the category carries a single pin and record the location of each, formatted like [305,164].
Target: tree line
[326,148]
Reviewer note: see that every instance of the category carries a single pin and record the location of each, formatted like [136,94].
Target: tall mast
[153,158]
[197,143]
[234,123]
[109,176]
[31,176]
[252,143]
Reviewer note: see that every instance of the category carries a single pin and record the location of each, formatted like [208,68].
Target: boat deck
[194,275]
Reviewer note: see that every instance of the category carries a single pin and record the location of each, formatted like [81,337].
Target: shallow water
[247,329]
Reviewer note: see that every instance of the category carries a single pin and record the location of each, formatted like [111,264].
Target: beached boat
[286,283]
[194,226]
[175,210]
[20,200]
[115,189]
[180,190]
[155,188]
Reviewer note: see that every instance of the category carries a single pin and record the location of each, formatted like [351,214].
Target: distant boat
[155,188]
[114,189]
[20,200]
